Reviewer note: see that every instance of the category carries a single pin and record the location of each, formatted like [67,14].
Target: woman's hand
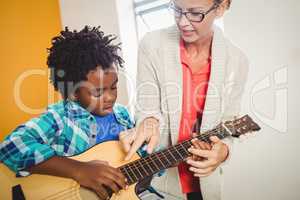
[211,158]
[98,175]
[133,139]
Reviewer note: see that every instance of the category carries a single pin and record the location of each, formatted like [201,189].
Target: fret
[142,166]
[185,148]
[161,163]
[134,175]
[147,164]
[205,137]
[170,152]
[153,164]
[137,170]
[180,156]
[166,157]
[126,174]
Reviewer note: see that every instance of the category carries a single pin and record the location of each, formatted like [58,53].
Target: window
[152,15]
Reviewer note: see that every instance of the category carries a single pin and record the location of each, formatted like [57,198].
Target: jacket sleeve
[29,144]
[148,91]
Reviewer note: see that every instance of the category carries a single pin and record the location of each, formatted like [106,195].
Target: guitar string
[160,155]
[172,148]
[72,191]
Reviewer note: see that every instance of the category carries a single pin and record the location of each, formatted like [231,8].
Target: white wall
[264,167]
[107,13]
[267,166]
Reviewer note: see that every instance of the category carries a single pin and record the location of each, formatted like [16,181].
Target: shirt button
[93,136]
[91,118]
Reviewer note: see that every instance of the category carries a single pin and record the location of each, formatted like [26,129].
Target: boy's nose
[109,97]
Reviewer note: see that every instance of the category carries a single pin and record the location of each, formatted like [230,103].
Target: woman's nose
[183,20]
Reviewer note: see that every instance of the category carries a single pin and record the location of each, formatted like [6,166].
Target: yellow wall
[26,29]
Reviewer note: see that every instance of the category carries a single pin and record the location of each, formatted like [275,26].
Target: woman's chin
[189,39]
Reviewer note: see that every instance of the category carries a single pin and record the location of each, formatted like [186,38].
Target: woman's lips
[187,33]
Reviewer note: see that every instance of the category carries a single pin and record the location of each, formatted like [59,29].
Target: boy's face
[98,93]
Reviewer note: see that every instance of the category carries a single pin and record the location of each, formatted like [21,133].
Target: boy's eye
[97,93]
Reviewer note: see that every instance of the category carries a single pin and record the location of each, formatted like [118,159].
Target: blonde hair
[220,1]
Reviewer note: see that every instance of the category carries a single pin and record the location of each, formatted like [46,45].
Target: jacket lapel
[213,103]
[173,82]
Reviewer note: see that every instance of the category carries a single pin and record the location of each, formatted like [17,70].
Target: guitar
[44,187]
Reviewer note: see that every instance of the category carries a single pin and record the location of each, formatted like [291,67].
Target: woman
[188,72]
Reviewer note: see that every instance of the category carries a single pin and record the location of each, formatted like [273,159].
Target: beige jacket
[159,95]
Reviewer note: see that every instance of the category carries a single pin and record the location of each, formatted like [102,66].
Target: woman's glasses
[191,16]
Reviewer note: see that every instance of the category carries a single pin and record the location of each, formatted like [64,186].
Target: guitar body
[42,187]
[38,187]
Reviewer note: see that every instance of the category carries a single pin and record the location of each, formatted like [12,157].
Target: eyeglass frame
[172,6]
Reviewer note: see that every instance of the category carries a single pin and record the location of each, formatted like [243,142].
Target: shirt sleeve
[30,143]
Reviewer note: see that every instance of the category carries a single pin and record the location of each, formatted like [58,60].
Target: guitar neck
[151,164]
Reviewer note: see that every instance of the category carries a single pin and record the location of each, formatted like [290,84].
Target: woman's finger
[152,143]
[126,138]
[201,171]
[200,152]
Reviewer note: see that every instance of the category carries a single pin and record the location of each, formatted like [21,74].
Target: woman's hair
[220,1]
[74,54]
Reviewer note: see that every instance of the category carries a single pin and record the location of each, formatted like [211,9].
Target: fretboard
[151,164]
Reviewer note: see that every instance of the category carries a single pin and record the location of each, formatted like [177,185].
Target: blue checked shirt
[65,129]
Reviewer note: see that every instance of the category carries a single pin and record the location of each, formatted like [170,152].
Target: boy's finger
[103,162]
[101,191]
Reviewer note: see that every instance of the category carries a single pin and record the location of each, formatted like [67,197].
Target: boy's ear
[73,96]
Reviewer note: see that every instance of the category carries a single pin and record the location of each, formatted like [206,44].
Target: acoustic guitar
[44,187]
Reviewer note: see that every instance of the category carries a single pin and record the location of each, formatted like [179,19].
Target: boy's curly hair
[73,54]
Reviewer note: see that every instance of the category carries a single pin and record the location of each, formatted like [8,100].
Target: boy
[84,70]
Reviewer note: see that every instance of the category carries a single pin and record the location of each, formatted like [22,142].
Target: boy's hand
[97,175]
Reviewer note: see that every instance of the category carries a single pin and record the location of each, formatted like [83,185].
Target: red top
[194,92]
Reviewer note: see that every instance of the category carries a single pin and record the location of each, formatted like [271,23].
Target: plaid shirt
[65,129]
